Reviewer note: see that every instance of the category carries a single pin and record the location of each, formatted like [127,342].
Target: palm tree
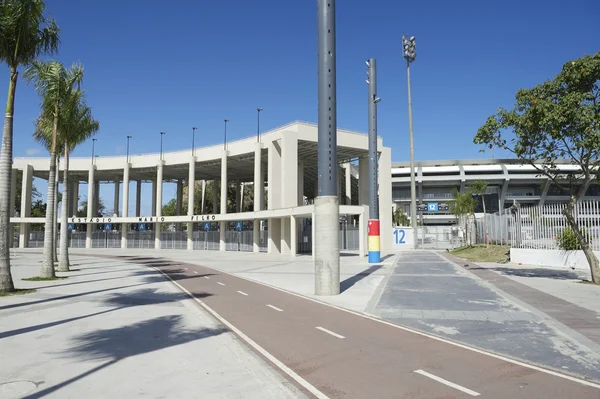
[462,207]
[77,125]
[25,33]
[55,85]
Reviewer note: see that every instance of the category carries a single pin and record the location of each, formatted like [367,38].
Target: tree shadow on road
[538,272]
[115,344]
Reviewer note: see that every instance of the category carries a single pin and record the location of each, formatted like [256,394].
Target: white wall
[402,239]
[550,257]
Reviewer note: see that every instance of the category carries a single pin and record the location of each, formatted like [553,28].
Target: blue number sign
[399,235]
[432,207]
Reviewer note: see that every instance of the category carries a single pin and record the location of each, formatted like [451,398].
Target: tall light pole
[225,137]
[161,148]
[258,125]
[327,210]
[128,138]
[409,53]
[193,139]
[93,149]
[374,232]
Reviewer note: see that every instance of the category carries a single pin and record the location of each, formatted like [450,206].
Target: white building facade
[281,168]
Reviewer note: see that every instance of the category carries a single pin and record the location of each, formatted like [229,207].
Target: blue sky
[152,67]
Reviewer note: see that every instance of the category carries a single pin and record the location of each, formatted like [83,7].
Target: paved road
[345,355]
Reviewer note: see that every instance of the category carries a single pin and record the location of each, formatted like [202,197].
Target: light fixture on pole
[258,125]
[193,139]
[161,147]
[93,149]
[128,138]
[225,137]
[409,53]
[373,230]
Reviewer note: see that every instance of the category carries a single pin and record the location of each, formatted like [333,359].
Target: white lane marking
[426,335]
[446,382]
[276,308]
[307,385]
[220,283]
[243,293]
[185,268]
[195,272]
[206,277]
[330,332]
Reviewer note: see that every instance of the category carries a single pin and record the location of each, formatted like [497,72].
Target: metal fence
[536,227]
[439,237]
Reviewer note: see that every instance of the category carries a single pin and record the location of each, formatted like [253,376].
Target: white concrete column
[13,199]
[191,199]
[158,200]
[153,197]
[256,236]
[116,197]
[348,176]
[179,203]
[339,184]
[223,225]
[25,205]
[289,185]
[286,235]
[274,173]
[125,226]
[90,206]
[294,236]
[259,184]
[138,198]
[363,181]
[385,198]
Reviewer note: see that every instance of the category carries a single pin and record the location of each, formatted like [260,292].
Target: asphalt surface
[345,355]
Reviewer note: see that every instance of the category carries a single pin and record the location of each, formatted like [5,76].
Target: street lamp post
[327,210]
[409,53]
[225,137]
[161,145]
[374,230]
[93,149]
[128,138]
[193,139]
[258,125]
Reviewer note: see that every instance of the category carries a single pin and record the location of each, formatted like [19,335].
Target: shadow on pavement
[115,344]
[541,272]
[120,300]
[349,282]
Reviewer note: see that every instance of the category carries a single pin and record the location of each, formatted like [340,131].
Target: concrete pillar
[312,236]
[348,181]
[259,184]
[125,226]
[289,186]
[138,198]
[294,236]
[385,198]
[223,225]
[158,200]
[256,236]
[339,184]
[154,197]
[25,205]
[90,206]
[179,203]
[191,199]
[286,236]
[274,173]
[11,212]
[116,197]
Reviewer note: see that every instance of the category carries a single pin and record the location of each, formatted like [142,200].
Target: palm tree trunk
[63,263]
[6,282]
[48,261]
[55,226]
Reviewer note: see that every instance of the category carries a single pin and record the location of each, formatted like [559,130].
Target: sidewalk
[92,335]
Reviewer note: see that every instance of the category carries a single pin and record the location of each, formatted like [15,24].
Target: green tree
[559,118]
[400,218]
[25,33]
[55,86]
[463,207]
[101,211]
